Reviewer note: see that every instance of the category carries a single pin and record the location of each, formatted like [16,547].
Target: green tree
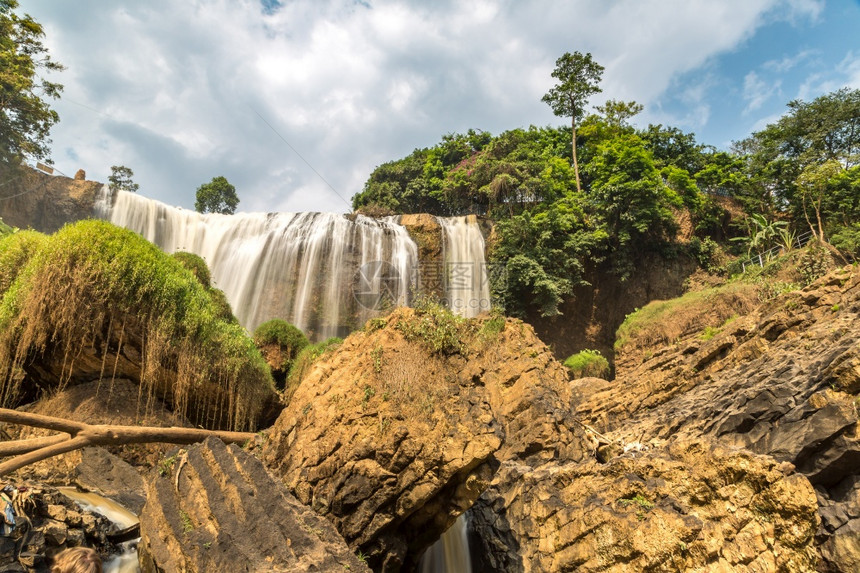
[617,113]
[545,256]
[25,118]
[217,196]
[813,184]
[120,179]
[826,129]
[763,234]
[578,77]
[629,199]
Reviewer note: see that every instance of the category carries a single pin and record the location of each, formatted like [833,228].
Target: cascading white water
[125,562]
[466,280]
[451,553]
[323,272]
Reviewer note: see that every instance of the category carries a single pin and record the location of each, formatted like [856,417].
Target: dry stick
[81,435]
[15,447]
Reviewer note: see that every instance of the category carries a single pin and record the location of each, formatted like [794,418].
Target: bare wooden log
[39,421]
[78,435]
[16,447]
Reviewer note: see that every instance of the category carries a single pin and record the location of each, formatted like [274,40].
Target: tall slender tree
[578,76]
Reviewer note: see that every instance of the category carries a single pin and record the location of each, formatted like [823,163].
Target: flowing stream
[125,562]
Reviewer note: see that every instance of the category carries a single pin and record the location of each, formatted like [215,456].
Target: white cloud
[845,74]
[758,91]
[177,86]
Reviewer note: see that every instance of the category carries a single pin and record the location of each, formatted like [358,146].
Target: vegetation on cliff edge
[92,284]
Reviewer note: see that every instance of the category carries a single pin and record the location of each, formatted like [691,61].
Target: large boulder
[692,508]
[398,431]
[214,508]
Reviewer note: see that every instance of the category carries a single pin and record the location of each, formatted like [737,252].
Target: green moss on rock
[196,265]
[15,251]
[92,285]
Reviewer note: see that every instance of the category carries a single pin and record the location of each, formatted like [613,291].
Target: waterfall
[466,280]
[451,553]
[323,272]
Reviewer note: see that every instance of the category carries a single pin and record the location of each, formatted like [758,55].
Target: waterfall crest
[323,272]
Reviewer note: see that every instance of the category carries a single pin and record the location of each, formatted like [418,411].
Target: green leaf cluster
[25,117]
[217,196]
[120,179]
[587,363]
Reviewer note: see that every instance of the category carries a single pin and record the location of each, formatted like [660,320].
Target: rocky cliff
[783,381]
[32,199]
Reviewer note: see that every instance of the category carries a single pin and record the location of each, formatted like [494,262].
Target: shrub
[847,240]
[494,325]
[196,265]
[91,279]
[289,340]
[435,326]
[282,333]
[15,251]
[814,264]
[588,363]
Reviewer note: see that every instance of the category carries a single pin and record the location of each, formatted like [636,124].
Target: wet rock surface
[214,508]
[39,521]
[111,477]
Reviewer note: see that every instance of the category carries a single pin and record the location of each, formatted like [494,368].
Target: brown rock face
[783,381]
[391,441]
[425,230]
[688,509]
[45,202]
[214,508]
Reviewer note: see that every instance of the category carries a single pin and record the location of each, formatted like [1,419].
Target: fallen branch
[75,435]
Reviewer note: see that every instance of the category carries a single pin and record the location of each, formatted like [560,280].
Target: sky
[295,102]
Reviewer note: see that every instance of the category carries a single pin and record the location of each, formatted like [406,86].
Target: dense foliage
[797,174]
[25,116]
